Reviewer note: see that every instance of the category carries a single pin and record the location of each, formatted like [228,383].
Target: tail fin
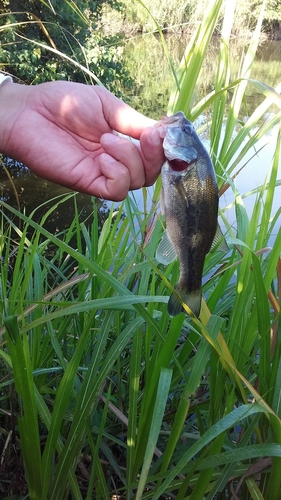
[192,300]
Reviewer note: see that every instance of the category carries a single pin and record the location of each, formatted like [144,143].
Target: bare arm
[63,131]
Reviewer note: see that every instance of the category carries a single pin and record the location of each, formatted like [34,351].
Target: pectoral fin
[166,253]
[219,241]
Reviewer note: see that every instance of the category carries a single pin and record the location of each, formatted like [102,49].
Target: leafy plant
[44,33]
[116,397]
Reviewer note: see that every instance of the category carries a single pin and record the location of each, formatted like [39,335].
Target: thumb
[152,153]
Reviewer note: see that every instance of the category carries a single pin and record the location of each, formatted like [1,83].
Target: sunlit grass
[115,396]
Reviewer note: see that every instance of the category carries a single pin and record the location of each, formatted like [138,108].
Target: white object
[5,78]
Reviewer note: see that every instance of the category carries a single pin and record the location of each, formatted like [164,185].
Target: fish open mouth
[179,165]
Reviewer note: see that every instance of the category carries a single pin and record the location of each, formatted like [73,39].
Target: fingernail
[155,137]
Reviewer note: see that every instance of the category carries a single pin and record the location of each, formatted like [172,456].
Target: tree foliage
[72,28]
[173,14]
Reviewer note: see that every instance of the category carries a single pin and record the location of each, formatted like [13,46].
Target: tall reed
[109,394]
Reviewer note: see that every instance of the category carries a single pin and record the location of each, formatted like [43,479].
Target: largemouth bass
[190,200]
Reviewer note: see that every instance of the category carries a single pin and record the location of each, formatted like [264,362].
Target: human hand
[63,131]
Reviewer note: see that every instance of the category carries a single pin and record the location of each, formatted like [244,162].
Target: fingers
[127,153]
[144,161]
[114,182]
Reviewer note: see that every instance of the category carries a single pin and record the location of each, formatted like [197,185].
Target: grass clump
[106,394]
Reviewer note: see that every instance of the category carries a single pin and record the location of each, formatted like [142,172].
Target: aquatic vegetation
[108,395]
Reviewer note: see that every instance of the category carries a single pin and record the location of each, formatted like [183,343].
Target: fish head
[181,145]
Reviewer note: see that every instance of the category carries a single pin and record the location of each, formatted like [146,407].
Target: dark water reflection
[27,192]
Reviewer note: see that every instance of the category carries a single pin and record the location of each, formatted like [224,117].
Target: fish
[190,201]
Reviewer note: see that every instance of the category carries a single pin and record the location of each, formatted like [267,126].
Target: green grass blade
[222,78]
[135,374]
[240,89]
[199,363]
[60,406]
[28,422]
[163,41]
[221,426]
[156,421]
[46,417]
[243,453]
[192,61]
[95,376]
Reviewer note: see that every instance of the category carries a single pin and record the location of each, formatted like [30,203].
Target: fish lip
[177,154]
[179,158]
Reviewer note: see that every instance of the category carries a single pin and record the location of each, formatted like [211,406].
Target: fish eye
[188,128]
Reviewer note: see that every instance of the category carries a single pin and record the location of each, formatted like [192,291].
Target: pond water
[147,62]
[150,94]
[37,194]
